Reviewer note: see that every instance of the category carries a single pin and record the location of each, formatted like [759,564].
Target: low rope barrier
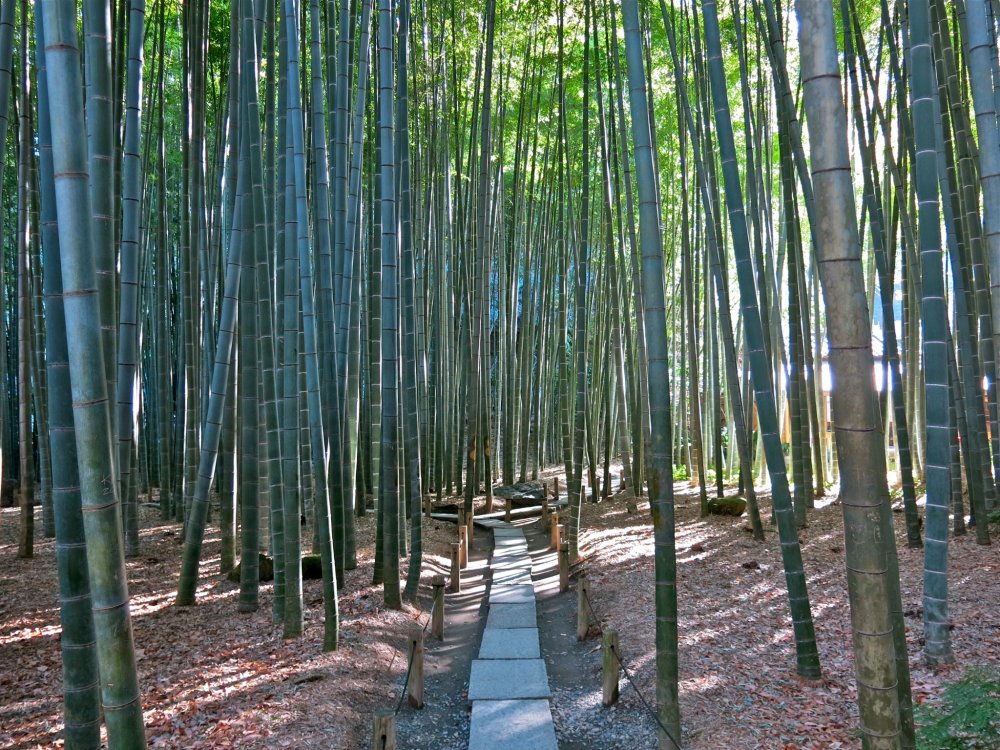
[430,615]
[409,666]
[628,675]
[406,682]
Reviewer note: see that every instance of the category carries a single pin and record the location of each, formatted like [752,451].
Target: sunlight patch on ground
[827,500]
[702,684]
[147,605]
[26,632]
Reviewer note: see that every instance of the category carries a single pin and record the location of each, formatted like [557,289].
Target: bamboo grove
[271,261]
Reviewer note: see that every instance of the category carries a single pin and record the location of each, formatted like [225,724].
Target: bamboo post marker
[416,684]
[609,683]
[384,730]
[564,567]
[456,571]
[582,607]
[437,616]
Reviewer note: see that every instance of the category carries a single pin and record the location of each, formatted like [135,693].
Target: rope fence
[413,653]
[628,672]
[384,725]
[406,682]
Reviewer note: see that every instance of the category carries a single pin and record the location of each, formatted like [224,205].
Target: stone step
[512,616]
[508,532]
[511,560]
[510,643]
[510,550]
[512,725]
[512,575]
[491,523]
[512,593]
[507,679]
[510,542]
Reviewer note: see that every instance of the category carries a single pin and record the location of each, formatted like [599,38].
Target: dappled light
[737,648]
[207,685]
[522,373]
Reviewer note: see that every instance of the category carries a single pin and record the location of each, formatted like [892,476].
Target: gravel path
[574,667]
[443,722]
[582,723]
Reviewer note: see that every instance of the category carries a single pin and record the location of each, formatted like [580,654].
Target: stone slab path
[508,683]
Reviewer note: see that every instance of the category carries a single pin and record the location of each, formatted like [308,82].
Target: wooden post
[463,547]
[609,683]
[461,517]
[437,616]
[506,509]
[545,513]
[384,730]
[554,528]
[416,684]
[456,570]
[564,567]
[582,607]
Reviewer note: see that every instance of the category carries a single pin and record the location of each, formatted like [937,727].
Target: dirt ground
[738,687]
[212,677]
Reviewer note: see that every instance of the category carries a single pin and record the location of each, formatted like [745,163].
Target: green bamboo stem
[98,486]
[805,640]
[654,314]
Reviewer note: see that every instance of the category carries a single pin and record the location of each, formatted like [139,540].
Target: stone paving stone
[512,616]
[507,563]
[512,725]
[505,558]
[505,555]
[508,683]
[508,542]
[512,575]
[510,643]
[510,550]
[489,523]
[507,531]
[508,593]
[511,560]
[505,679]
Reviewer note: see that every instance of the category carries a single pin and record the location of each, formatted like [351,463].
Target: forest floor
[738,687]
[214,678]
